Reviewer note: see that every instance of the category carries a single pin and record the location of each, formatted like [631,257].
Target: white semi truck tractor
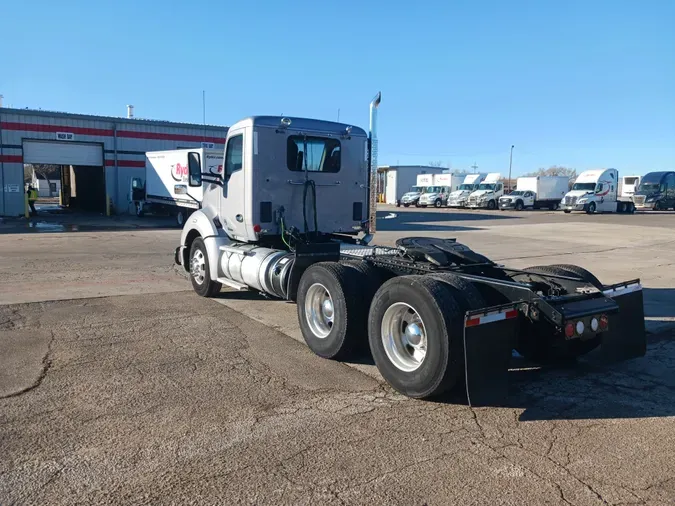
[487,194]
[597,191]
[460,196]
[293,215]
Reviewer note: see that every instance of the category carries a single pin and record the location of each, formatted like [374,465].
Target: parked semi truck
[656,191]
[437,194]
[165,187]
[488,193]
[413,196]
[536,192]
[597,191]
[401,180]
[433,313]
[460,197]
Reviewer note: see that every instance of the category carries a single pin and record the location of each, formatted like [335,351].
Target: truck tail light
[604,322]
[569,330]
[257,228]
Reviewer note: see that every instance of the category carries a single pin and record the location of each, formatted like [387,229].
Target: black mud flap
[489,337]
[627,337]
[306,255]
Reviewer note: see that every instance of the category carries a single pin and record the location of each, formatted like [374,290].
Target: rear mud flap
[489,337]
[627,336]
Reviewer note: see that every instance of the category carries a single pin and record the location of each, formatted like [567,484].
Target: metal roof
[112,119]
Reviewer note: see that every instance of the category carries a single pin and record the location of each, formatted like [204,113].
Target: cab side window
[599,187]
[234,158]
[670,186]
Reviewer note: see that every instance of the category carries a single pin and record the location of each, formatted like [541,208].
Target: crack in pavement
[46,365]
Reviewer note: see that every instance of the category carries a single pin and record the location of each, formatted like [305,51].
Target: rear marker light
[580,327]
[604,322]
[495,317]
[569,330]
[595,324]
[257,229]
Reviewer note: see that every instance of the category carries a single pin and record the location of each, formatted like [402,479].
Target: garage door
[62,153]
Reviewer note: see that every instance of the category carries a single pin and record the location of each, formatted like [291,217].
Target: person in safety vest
[32,197]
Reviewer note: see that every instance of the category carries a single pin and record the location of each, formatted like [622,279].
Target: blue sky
[577,83]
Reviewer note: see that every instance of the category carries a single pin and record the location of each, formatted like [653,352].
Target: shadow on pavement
[390,221]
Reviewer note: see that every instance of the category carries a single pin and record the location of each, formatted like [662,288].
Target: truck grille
[570,201]
[639,199]
[473,199]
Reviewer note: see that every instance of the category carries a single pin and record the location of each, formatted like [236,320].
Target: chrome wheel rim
[198,266]
[404,337]
[319,310]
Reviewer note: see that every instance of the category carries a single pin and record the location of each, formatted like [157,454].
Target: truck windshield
[433,189]
[466,187]
[417,189]
[317,154]
[517,192]
[650,187]
[486,186]
[589,187]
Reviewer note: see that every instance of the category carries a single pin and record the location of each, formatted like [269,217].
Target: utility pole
[510,164]
[338,120]
[474,167]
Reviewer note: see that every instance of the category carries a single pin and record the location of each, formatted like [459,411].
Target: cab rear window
[314,154]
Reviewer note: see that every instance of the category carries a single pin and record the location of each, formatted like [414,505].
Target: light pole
[510,165]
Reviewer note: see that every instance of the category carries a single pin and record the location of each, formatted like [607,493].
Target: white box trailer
[629,184]
[166,188]
[536,192]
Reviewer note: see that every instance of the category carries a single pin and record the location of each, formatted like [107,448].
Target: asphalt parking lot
[118,385]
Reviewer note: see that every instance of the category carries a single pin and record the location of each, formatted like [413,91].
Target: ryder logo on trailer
[179,172]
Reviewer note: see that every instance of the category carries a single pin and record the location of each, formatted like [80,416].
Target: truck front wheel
[331,309]
[415,335]
[492,205]
[202,283]
[591,208]
[438,203]
[519,205]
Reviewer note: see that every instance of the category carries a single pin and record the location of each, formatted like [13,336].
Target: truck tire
[519,205]
[591,208]
[466,294]
[415,330]
[202,283]
[492,205]
[567,211]
[406,205]
[535,346]
[555,206]
[438,203]
[587,276]
[331,309]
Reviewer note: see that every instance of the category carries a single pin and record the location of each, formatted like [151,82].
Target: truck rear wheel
[331,309]
[533,345]
[202,283]
[415,334]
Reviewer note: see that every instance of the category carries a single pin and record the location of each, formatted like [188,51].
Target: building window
[52,187]
[317,154]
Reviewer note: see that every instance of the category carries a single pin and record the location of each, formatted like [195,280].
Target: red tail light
[569,330]
[257,229]
[604,322]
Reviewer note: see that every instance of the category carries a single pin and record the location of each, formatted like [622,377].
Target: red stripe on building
[11,158]
[168,137]
[125,163]
[30,127]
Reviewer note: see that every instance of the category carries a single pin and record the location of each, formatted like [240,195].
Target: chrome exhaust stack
[372,165]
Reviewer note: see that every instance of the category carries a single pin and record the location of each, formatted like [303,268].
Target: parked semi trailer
[433,313]
[536,192]
[460,197]
[165,188]
[656,191]
[628,185]
[596,191]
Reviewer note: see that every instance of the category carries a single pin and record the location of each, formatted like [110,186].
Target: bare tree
[556,170]
[47,172]
[437,163]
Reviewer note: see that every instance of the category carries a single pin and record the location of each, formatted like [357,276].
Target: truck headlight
[650,199]
[582,201]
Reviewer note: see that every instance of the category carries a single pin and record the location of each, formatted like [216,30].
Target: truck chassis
[434,313]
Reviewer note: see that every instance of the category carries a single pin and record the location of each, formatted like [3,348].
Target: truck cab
[413,196]
[656,191]
[436,196]
[596,191]
[518,200]
[488,193]
[460,197]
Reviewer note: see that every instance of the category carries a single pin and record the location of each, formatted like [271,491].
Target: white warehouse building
[98,155]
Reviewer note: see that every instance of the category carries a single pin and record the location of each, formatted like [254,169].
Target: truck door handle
[300,183]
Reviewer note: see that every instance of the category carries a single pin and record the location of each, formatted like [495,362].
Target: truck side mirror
[194,169]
